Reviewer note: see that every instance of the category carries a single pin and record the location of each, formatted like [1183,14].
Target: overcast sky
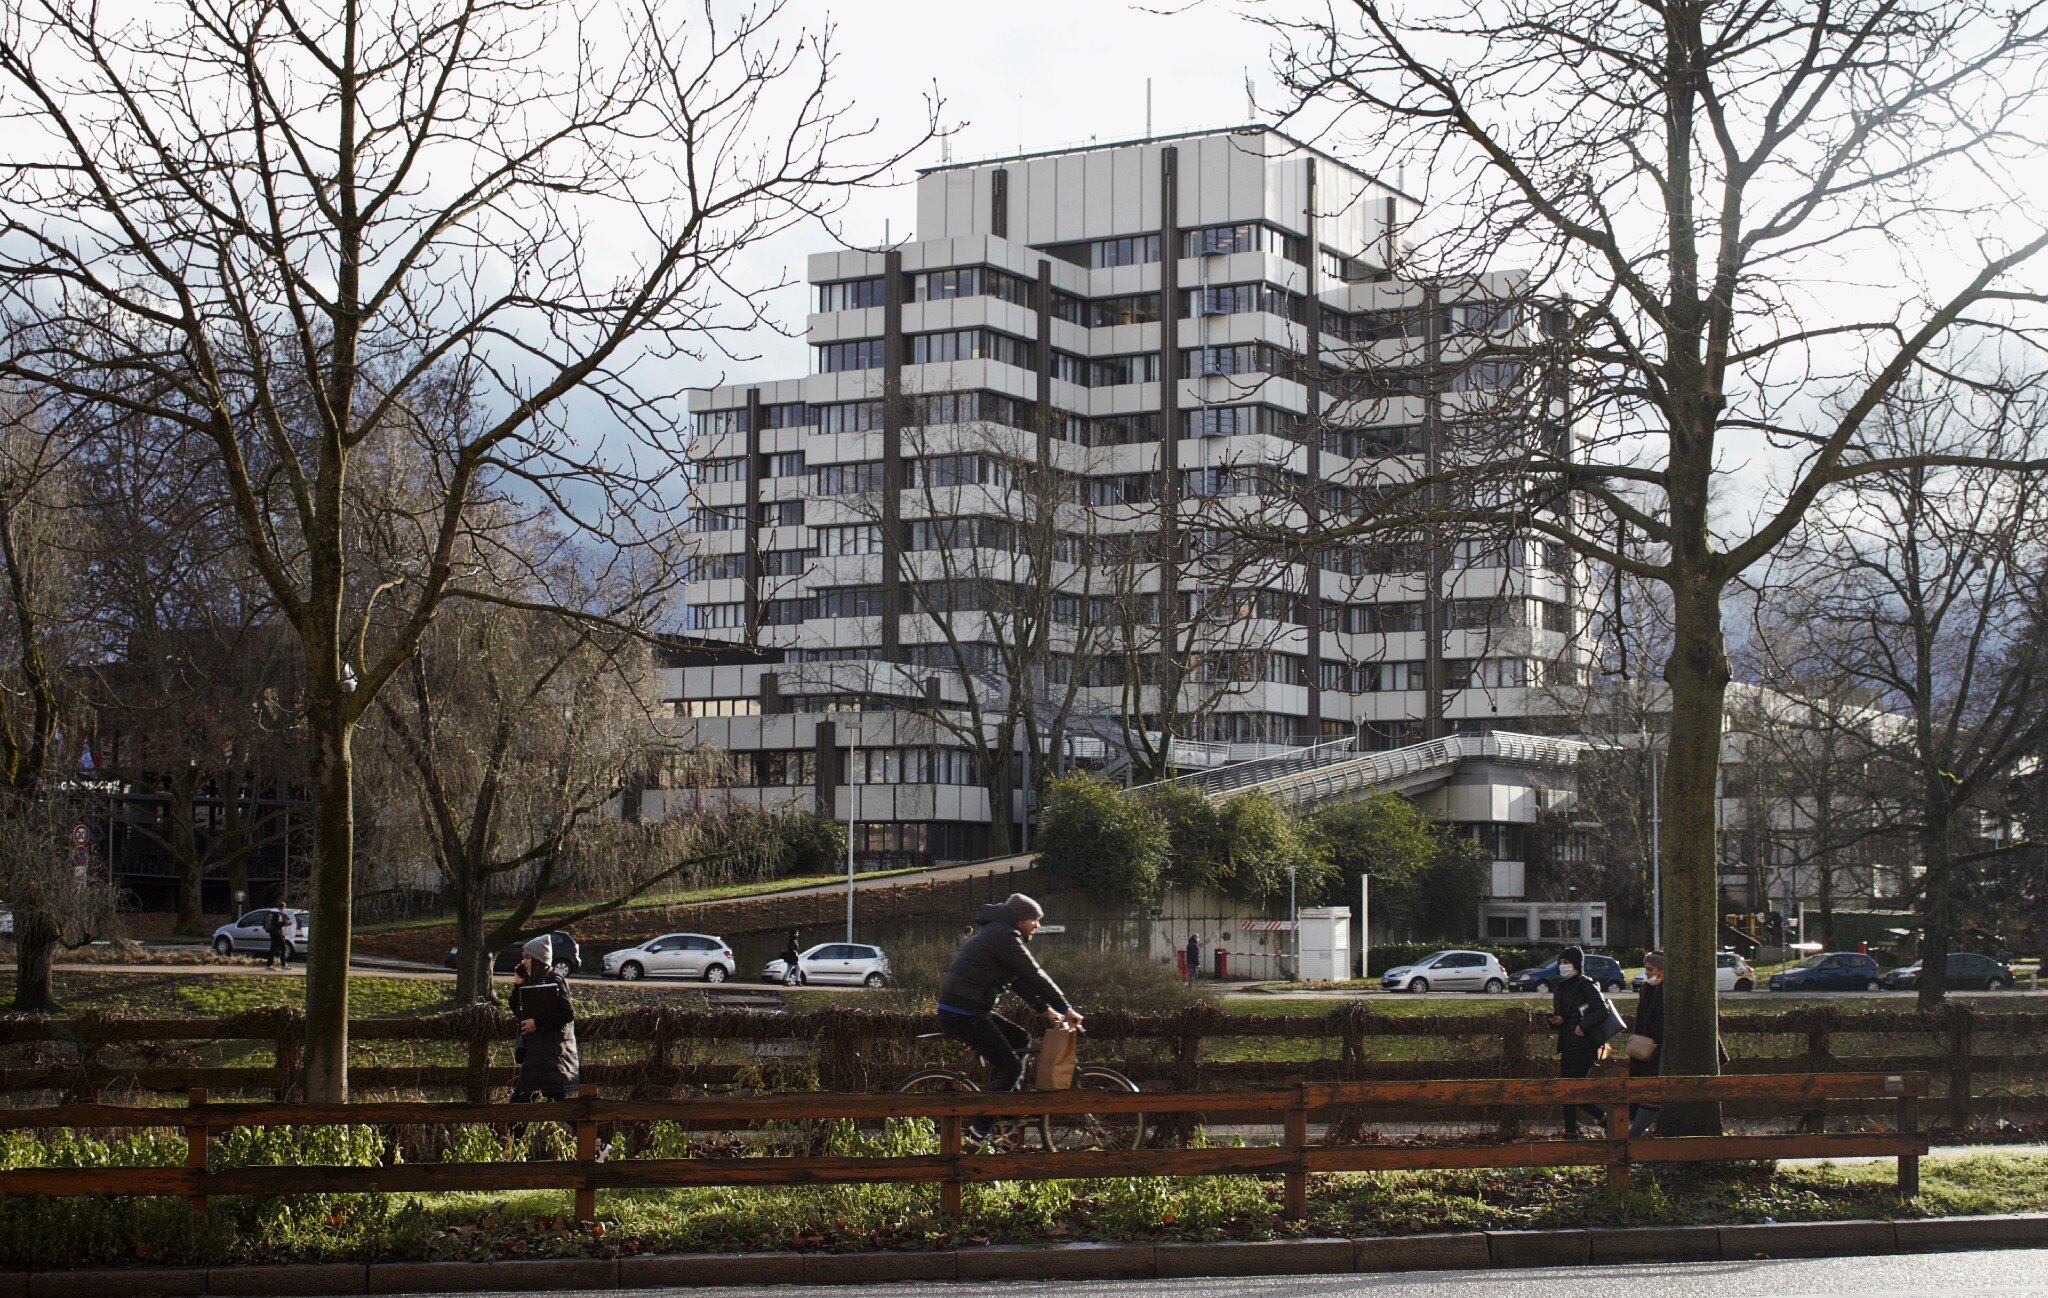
[1017,77]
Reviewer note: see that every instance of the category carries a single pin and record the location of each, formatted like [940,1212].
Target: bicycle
[1056,1131]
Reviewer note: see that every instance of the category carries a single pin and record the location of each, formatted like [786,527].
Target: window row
[1221,240]
[1106,312]
[717,707]
[851,294]
[970,345]
[857,354]
[1237,358]
[1243,299]
[1373,443]
[1098,254]
[1106,371]
[918,765]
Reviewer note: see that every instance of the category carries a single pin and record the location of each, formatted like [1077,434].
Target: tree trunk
[184,791]
[35,945]
[998,786]
[333,771]
[472,953]
[1937,914]
[1697,673]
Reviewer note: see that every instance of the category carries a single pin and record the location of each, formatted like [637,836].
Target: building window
[782,513]
[849,417]
[1240,421]
[725,470]
[717,707]
[859,354]
[1237,358]
[1373,443]
[790,415]
[1507,928]
[785,612]
[849,601]
[959,471]
[850,294]
[715,617]
[704,519]
[970,281]
[786,464]
[1243,299]
[847,479]
[713,422]
[718,567]
[1383,678]
[1124,430]
[860,538]
[785,563]
[970,345]
[1096,254]
[1222,240]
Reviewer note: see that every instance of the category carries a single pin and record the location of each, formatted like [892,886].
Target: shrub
[1425,879]
[812,843]
[1100,843]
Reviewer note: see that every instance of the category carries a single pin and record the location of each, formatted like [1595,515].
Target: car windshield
[1810,962]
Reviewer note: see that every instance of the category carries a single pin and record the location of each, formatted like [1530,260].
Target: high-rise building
[1042,498]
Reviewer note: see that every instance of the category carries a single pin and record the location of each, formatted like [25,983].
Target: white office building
[1174,352]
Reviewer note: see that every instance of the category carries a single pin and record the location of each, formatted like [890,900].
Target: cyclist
[994,960]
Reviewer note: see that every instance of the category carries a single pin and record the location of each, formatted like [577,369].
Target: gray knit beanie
[1022,907]
[541,950]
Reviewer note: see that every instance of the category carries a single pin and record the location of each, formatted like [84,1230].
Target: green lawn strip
[671,897]
[38,1232]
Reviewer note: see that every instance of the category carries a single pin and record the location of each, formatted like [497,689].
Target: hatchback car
[1830,971]
[1448,971]
[673,955]
[1604,970]
[1732,973]
[847,963]
[248,935]
[1966,972]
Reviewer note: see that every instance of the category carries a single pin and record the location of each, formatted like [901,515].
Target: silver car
[849,963]
[673,955]
[1448,971]
[249,934]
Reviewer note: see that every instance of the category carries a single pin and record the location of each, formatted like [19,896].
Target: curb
[1462,1251]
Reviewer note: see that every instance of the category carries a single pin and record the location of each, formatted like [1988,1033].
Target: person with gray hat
[1646,1040]
[549,1066]
[996,959]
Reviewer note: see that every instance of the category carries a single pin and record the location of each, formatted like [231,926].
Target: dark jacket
[550,1065]
[995,960]
[1571,1001]
[1650,1013]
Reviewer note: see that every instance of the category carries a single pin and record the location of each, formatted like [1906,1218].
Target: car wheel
[221,946]
[1871,985]
[1996,985]
[1418,986]
[631,971]
[1495,986]
[1744,985]
[715,973]
[873,980]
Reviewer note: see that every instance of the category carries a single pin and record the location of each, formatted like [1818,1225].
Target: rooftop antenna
[886,242]
[945,145]
[1148,108]
[1251,102]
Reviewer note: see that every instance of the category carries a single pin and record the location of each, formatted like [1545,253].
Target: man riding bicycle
[994,960]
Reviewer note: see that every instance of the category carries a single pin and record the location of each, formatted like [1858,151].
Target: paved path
[2003,1273]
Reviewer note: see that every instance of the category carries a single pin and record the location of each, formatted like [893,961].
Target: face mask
[1568,970]
[1654,977]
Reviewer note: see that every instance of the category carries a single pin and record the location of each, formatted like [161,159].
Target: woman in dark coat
[1649,1023]
[1575,997]
[549,1066]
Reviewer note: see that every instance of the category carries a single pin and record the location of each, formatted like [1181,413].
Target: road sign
[80,836]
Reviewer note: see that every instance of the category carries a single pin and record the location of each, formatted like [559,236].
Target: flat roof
[1250,129]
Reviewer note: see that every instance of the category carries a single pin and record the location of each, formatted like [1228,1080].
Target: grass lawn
[671,897]
[58,1232]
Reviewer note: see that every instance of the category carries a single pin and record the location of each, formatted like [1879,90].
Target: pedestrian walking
[792,960]
[549,1068]
[1194,957]
[276,924]
[1646,1041]
[1574,1004]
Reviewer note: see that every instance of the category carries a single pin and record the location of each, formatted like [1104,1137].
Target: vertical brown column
[757,473]
[999,203]
[893,410]
[1041,302]
[1311,610]
[1169,435]
[1437,562]
[825,779]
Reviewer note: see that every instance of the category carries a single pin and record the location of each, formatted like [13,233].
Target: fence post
[586,1154]
[1297,1144]
[949,1148]
[195,1147]
[1514,1062]
[1617,1144]
[1962,1021]
[1909,1164]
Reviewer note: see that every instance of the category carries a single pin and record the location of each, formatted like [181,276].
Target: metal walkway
[1333,771]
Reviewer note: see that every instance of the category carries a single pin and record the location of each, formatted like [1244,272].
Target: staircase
[1335,771]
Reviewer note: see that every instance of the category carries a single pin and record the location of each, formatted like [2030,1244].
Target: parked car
[568,956]
[1731,974]
[847,963]
[673,955]
[1829,971]
[249,936]
[1604,970]
[1448,971]
[1966,972]
[6,922]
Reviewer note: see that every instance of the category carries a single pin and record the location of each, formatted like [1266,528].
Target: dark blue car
[1830,971]
[1602,969]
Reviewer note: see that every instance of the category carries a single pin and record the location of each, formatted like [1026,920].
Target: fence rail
[1293,1158]
[1984,1063]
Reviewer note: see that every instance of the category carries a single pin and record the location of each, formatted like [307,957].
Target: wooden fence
[1294,1157]
[1984,1064]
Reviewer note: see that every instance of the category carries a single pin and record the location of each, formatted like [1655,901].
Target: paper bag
[1057,1050]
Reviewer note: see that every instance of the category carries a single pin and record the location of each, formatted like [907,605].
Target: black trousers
[1578,1063]
[281,951]
[999,1042]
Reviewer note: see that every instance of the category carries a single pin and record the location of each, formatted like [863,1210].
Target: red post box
[1222,963]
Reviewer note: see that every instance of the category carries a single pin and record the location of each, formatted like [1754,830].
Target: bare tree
[301,231]
[1927,586]
[1687,184]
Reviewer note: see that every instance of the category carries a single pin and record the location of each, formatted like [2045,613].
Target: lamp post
[1294,917]
[852,808]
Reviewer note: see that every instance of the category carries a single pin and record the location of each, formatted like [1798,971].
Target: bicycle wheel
[935,1081]
[1070,1131]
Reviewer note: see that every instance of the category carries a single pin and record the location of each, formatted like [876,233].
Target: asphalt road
[2005,1273]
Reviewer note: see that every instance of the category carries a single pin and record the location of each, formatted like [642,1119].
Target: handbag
[1057,1050]
[1602,1022]
[1642,1049]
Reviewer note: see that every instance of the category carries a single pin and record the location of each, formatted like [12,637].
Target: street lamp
[1294,914]
[852,818]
